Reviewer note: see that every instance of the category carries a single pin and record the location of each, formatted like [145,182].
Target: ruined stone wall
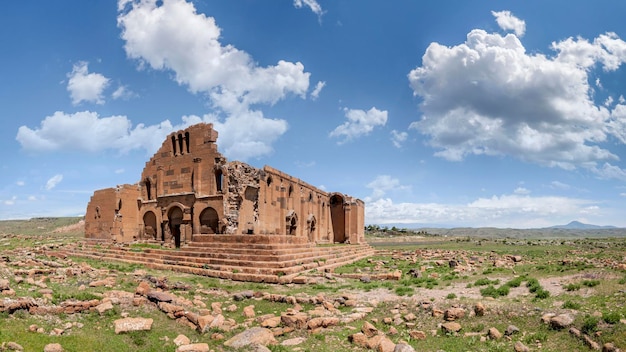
[242,201]
[112,214]
[285,198]
[100,214]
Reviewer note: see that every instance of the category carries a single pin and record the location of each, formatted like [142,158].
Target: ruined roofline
[271,170]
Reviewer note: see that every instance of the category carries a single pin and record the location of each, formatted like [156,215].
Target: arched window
[187,141]
[173,146]
[219,180]
[180,143]
[148,185]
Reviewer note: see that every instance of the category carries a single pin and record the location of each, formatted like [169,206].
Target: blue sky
[450,113]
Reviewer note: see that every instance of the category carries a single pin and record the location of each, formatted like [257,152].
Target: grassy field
[517,280]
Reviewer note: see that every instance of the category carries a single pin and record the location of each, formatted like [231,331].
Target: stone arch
[291,223]
[338,218]
[209,221]
[150,225]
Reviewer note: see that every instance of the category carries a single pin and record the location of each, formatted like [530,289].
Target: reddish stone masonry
[188,190]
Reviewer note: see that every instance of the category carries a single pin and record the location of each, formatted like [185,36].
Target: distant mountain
[577,225]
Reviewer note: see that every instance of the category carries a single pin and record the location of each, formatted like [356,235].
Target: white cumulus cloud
[171,35]
[53,181]
[518,211]
[318,88]
[360,123]
[85,86]
[489,96]
[507,21]
[383,184]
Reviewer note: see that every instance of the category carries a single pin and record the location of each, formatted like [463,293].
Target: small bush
[491,291]
[571,305]
[533,285]
[591,283]
[572,287]
[516,282]
[611,317]
[404,291]
[622,281]
[590,325]
[542,294]
[451,296]
[485,281]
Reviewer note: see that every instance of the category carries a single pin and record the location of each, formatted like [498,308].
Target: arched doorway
[312,226]
[209,221]
[175,217]
[149,225]
[338,218]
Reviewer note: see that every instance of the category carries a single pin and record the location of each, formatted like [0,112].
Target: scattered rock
[452,314]
[160,296]
[258,335]
[108,282]
[510,330]
[479,309]
[494,334]
[369,330]
[132,324]
[181,340]
[520,347]
[195,347]
[417,334]
[610,347]
[451,327]
[53,347]
[358,339]
[561,321]
[403,347]
[103,307]
[12,346]
[248,312]
[293,342]
[591,343]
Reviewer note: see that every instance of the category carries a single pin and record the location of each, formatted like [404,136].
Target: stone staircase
[256,258]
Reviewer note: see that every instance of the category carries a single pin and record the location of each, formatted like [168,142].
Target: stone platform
[255,258]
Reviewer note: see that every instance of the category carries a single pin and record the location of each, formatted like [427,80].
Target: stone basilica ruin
[227,218]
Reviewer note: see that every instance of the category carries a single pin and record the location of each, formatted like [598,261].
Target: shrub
[491,291]
[590,325]
[572,287]
[516,282]
[542,294]
[611,317]
[485,281]
[571,305]
[404,290]
[533,285]
[591,283]
[453,296]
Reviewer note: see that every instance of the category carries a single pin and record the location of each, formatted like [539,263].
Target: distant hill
[577,225]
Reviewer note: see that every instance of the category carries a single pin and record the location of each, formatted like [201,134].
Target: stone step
[225,271]
[236,261]
[277,265]
[293,254]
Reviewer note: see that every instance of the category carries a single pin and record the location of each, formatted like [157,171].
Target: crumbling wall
[242,202]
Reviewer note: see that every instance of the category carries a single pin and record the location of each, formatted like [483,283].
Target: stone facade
[189,191]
